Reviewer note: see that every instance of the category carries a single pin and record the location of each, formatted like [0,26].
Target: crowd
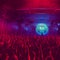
[20,47]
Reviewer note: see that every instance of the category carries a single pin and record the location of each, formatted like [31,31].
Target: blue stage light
[41,29]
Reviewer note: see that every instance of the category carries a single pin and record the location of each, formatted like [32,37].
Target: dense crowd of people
[20,47]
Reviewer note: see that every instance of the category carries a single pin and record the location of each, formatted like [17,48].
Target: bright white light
[42,28]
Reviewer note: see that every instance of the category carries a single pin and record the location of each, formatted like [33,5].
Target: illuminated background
[31,12]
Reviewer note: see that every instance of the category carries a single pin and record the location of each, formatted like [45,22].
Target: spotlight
[41,29]
[58,24]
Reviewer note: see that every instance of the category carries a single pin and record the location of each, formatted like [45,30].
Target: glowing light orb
[41,29]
